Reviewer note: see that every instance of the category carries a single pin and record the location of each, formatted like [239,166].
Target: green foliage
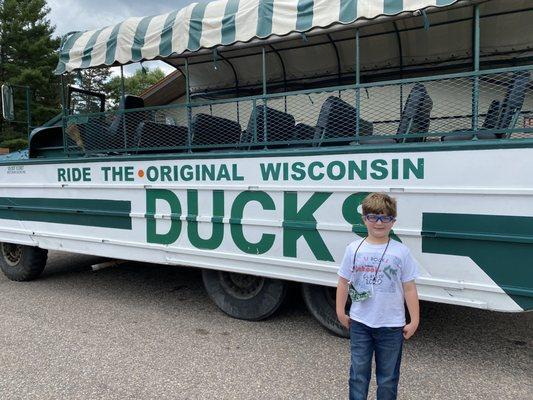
[14,144]
[134,84]
[28,58]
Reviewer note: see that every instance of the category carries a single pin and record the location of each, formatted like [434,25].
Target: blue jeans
[386,343]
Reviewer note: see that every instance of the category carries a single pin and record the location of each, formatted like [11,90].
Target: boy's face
[378,225]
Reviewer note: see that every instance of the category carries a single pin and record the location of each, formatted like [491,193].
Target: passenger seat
[280,126]
[208,130]
[415,116]
[337,119]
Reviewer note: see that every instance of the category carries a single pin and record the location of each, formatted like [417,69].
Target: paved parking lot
[150,332]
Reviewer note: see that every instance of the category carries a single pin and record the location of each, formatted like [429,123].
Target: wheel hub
[240,285]
[12,253]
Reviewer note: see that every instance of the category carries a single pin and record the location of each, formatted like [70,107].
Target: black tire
[320,301]
[243,296]
[22,263]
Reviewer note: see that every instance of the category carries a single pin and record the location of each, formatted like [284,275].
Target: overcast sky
[82,15]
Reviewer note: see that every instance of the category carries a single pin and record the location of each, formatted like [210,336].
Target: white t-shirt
[385,307]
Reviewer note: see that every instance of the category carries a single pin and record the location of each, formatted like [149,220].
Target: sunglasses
[386,219]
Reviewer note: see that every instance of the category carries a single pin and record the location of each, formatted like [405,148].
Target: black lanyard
[380,260]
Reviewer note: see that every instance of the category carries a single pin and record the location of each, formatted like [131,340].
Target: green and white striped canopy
[220,22]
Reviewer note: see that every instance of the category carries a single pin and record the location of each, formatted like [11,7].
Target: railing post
[357,88]
[254,113]
[123,99]
[65,113]
[475,88]
[188,107]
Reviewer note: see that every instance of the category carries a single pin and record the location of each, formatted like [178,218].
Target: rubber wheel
[320,301]
[243,296]
[22,263]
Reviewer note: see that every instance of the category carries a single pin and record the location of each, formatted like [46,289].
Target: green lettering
[395,168]
[208,172]
[341,170]
[235,173]
[166,173]
[298,171]
[186,173]
[217,235]
[418,170]
[237,211]
[285,171]
[360,170]
[312,166]
[380,170]
[298,223]
[270,171]
[223,173]
[86,174]
[61,175]
[152,196]
[152,174]
[106,170]
[352,215]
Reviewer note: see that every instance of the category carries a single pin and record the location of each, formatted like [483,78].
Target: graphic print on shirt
[384,281]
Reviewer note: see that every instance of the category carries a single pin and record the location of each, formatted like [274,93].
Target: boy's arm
[341,298]
[411,298]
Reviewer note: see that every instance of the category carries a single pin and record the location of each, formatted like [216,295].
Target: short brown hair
[379,203]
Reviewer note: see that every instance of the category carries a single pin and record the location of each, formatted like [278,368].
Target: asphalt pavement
[140,331]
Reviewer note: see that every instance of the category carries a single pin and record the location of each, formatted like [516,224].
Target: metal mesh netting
[489,106]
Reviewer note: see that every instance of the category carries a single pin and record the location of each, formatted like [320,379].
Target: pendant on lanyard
[352,291]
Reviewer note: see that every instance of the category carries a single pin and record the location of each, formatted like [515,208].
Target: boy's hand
[344,320]
[409,330]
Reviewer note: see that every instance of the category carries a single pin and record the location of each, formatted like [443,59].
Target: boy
[378,273]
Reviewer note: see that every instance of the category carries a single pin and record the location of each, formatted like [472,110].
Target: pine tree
[28,56]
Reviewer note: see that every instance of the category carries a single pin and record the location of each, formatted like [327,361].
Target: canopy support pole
[123,100]
[475,89]
[400,53]
[263,62]
[339,72]
[188,104]
[236,84]
[122,87]
[284,72]
[357,88]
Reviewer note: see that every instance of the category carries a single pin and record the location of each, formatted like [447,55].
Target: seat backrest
[415,114]
[493,113]
[337,119]
[132,102]
[131,120]
[151,136]
[513,101]
[209,130]
[280,125]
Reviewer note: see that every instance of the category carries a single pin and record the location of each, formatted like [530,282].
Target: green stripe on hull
[500,245]
[99,213]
